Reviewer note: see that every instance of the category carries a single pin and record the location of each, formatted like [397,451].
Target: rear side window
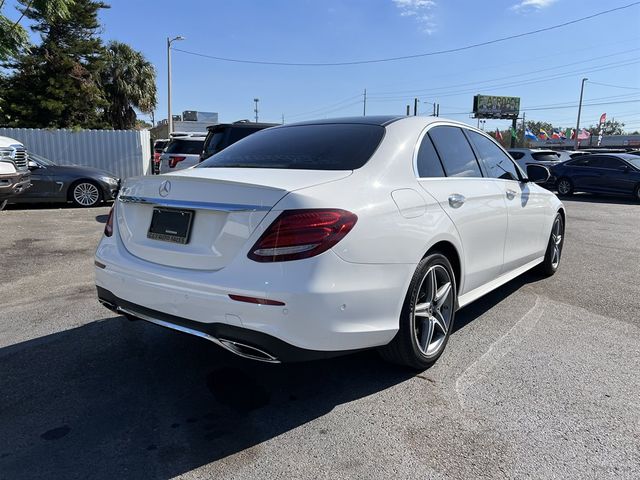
[188,147]
[455,152]
[213,142]
[428,162]
[306,147]
[497,163]
[545,156]
[581,162]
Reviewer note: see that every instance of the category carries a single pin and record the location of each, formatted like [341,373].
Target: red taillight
[173,161]
[108,227]
[297,234]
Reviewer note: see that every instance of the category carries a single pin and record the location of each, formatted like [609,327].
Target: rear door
[449,171]
[527,207]
[582,173]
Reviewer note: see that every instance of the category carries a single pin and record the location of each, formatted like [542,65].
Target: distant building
[191,121]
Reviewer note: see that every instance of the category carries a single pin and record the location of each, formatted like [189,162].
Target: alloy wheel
[556,242]
[86,194]
[433,310]
[564,187]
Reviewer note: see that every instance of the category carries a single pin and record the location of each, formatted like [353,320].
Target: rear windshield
[546,156]
[189,147]
[305,147]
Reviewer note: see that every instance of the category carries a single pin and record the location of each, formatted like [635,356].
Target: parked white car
[14,172]
[181,152]
[536,156]
[315,239]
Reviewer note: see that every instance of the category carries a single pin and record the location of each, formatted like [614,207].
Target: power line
[448,87]
[408,57]
[613,86]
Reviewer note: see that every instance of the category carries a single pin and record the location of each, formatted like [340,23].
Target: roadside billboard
[492,106]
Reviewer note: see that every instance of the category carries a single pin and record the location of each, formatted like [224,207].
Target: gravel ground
[539,380]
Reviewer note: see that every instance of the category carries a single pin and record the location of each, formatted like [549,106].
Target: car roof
[381,120]
[241,124]
[622,156]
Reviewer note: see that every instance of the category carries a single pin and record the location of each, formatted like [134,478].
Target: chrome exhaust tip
[247,351]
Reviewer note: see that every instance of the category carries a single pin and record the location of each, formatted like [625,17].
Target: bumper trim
[246,343]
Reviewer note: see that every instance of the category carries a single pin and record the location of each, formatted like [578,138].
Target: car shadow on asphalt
[120,399]
[115,398]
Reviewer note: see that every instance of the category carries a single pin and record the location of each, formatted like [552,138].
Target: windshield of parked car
[41,160]
[188,147]
[306,147]
[633,160]
[545,156]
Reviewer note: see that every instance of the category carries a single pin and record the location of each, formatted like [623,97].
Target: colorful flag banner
[529,134]
[498,134]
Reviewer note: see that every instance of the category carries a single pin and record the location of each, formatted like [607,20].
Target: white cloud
[420,10]
[529,5]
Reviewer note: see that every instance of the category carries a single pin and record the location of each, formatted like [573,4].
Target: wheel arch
[449,250]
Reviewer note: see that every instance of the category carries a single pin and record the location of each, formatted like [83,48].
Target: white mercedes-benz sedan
[315,239]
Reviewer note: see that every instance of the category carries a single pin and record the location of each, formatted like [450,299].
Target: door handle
[511,194]
[456,200]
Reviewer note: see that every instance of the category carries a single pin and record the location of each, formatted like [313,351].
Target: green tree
[13,36]
[129,82]
[55,84]
[611,127]
[535,127]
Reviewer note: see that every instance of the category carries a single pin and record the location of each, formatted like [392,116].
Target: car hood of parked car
[80,170]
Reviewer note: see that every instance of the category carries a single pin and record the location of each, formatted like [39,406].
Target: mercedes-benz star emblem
[165,188]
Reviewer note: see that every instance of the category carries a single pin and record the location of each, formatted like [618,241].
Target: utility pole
[364,104]
[408,110]
[283,118]
[434,109]
[415,107]
[524,127]
[438,110]
[575,143]
[169,117]
[256,100]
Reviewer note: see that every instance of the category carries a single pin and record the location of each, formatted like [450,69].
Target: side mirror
[538,173]
[32,165]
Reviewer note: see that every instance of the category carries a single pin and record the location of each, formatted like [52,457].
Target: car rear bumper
[330,305]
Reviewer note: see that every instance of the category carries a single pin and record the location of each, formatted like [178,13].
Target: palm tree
[129,82]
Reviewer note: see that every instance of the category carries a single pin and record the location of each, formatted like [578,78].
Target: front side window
[455,152]
[611,163]
[331,146]
[428,162]
[497,163]
[516,155]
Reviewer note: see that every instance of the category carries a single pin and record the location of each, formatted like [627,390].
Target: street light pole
[169,117]
[575,142]
[256,100]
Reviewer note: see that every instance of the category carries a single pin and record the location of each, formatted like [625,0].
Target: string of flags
[557,133]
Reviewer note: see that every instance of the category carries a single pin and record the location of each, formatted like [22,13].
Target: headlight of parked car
[109,180]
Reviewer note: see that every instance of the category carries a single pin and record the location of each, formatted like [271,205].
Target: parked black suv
[222,135]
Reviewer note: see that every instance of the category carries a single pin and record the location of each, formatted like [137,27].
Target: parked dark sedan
[83,186]
[613,173]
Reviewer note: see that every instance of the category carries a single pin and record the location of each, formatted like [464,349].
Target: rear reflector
[298,234]
[108,227]
[259,301]
[173,161]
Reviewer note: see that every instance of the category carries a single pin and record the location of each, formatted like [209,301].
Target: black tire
[636,193]
[85,194]
[404,349]
[564,186]
[552,257]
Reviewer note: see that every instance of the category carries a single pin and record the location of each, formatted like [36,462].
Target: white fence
[125,153]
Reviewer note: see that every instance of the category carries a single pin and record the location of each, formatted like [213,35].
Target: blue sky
[543,69]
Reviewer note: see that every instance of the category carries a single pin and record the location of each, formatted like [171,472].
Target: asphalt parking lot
[540,379]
